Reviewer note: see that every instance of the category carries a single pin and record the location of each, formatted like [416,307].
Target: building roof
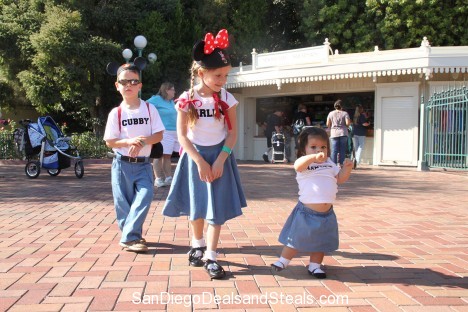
[320,63]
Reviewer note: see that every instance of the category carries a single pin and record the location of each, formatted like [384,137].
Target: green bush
[89,145]
[7,146]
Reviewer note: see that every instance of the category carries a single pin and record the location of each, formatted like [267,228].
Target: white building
[392,82]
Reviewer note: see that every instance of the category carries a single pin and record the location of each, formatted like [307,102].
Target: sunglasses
[125,82]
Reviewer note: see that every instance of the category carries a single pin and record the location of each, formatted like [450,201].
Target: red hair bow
[183,103]
[221,41]
[224,106]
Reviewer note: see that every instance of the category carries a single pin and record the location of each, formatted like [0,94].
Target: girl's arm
[303,162]
[230,142]
[308,122]
[345,171]
[204,169]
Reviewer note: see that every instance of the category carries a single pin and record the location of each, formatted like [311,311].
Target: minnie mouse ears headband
[114,68]
[209,53]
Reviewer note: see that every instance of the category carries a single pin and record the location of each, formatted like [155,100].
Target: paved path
[403,247]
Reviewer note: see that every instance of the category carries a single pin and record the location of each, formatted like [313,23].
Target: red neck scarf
[224,106]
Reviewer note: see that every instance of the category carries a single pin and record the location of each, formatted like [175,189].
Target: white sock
[315,266]
[198,242]
[211,255]
[282,262]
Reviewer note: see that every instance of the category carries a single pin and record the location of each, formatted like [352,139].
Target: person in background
[206,185]
[274,123]
[312,226]
[338,122]
[360,125]
[165,105]
[301,120]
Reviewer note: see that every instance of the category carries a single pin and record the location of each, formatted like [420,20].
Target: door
[399,130]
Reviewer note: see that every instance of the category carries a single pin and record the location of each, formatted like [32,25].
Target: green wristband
[226,149]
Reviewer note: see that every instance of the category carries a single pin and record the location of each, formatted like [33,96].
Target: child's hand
[217,169]
[320,157]
[204,171]
[348,163]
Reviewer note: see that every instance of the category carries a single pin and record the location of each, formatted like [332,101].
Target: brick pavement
[403,247]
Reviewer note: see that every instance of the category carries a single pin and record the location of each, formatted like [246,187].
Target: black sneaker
[265,158]
[214,270]
[195,256]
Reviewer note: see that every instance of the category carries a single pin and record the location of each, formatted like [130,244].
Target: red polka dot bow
[221,41]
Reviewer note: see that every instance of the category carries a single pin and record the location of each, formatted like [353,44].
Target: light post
[140,43]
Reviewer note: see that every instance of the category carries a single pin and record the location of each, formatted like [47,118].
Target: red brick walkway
[403,247]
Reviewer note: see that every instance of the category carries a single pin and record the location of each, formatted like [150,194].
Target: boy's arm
[345,171]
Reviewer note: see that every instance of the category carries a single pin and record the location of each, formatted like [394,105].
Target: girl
[206,184]
[164,103]
[131,129]
[312,225]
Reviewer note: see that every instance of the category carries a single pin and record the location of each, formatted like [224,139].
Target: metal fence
[8,149]
[87,144]
[446,139]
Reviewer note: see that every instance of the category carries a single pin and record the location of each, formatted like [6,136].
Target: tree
[357,26]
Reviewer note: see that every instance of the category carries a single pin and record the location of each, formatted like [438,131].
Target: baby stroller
[46,140]
[278,148]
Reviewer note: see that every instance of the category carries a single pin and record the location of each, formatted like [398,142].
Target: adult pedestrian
[338,122]
[360,125]
[164,103]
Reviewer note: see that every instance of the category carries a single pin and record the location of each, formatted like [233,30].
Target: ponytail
[192,112]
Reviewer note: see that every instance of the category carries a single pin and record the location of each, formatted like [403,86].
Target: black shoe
[277,268]
[265,158]
[214,270]
[194,259]
[317,275]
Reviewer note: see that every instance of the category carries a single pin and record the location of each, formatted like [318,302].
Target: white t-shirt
[318,184]
[208,130]
[134,122]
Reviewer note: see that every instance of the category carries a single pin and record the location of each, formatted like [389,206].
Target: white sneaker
[168,181]
[159,182]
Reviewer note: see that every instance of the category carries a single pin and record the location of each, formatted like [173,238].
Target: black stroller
[278,148]
[45,140]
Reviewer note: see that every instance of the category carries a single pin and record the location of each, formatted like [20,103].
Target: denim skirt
[307,230]
[216,202]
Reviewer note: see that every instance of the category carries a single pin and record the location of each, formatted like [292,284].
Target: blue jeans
[339,145]
[132,188]
[359,141]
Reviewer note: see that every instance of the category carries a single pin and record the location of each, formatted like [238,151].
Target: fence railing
[446,137]
[8,148]
[87,144]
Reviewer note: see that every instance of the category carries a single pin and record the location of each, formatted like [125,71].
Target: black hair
[130,67]
[338,105]
[303,138]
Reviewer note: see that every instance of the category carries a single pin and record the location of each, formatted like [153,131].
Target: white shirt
[134,122]
[207,130]
[318,184]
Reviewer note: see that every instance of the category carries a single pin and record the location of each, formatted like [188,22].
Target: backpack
[298,125]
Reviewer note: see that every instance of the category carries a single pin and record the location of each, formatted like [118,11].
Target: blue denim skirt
[307,230]
[216,202]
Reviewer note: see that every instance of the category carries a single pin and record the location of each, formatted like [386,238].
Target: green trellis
[445,133]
